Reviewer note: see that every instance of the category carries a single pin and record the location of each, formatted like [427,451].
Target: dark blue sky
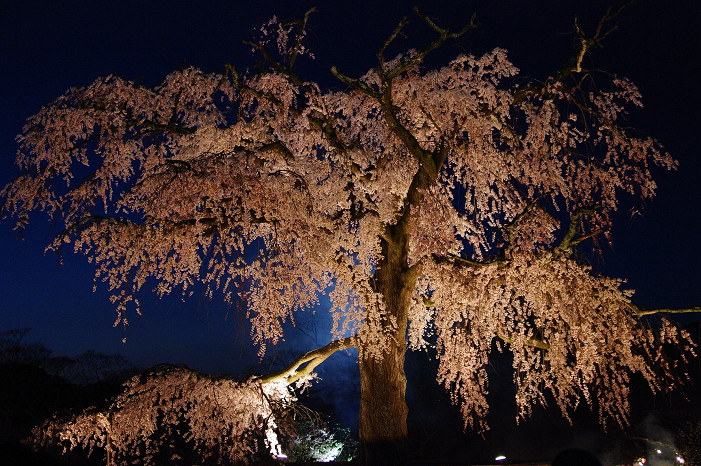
[49,46]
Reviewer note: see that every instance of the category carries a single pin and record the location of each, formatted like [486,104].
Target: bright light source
[680,460]
[281,456]
[659,452]
[500,458]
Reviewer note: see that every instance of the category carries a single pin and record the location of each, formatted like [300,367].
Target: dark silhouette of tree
[29,393]
[34,384]
[92,367]
[14,350]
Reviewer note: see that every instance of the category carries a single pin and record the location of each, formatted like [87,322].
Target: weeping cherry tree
[443,207]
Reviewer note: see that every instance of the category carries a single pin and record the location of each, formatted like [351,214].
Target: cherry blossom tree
[448,207]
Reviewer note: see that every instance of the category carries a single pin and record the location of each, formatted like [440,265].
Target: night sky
[47,47]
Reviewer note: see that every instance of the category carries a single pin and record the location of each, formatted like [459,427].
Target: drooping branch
[639,312]
[305,364]
[505,337]
[139,422]
[151,126]
[83,224]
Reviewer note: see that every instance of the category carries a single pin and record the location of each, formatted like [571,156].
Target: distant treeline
[35,384]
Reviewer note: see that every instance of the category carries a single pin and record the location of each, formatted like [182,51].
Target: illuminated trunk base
[383,410]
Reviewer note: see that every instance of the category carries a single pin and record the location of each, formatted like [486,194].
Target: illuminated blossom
[218,418]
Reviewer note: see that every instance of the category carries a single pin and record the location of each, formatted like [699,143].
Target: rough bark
[383,411]
[383,429]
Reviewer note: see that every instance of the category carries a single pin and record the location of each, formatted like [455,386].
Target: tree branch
[534,342]
[282,69]
[511,225]
[279,148]
[429,162]
[569,241]
[305,364]
[236,82]
[574,64]
[587,44]
[300,35]
[646,312]
[443,35]
[324,122]
[390,39]
[356,83]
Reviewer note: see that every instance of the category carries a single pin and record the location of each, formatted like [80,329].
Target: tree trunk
[382,426]
[383,410]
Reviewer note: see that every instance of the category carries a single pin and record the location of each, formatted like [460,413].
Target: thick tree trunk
[383,410]
[383,428]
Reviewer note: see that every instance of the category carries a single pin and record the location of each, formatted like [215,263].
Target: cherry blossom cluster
[218,418]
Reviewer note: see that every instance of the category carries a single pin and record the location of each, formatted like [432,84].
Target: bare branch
[381,52]
[441,31]
[443,35]
[305,364]
[646,312]
[586,44]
